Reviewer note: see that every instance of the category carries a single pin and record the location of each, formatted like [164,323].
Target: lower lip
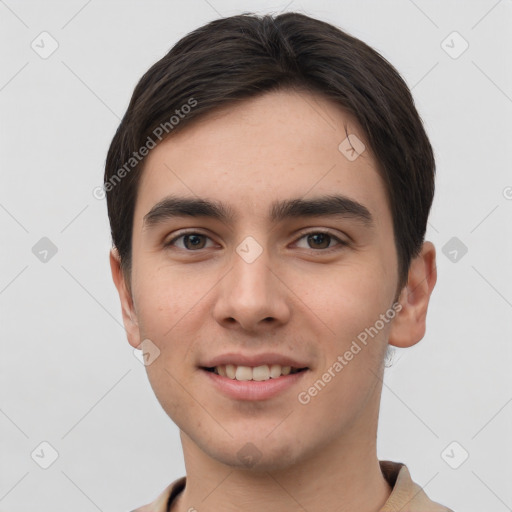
[251,389]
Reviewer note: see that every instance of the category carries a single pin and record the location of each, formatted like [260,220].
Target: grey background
[67,374]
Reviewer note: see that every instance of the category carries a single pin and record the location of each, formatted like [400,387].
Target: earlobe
[409,326]
[130,320]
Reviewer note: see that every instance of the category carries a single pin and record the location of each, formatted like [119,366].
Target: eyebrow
[325,206]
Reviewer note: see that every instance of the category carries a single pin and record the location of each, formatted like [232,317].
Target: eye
[191,241]
[317,240]
[321,240]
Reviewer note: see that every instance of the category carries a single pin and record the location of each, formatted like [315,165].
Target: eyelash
[341,243]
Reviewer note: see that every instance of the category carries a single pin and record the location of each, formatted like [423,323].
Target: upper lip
[253,360]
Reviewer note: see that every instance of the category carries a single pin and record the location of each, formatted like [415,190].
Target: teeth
[257,373]
[261,373]
[230,371]
[243,373]
[275,371]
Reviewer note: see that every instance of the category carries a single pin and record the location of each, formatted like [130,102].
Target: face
[260,244]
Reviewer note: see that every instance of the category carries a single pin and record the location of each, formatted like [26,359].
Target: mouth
[246,377]
[259,373]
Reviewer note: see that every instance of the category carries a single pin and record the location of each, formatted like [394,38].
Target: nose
[252,296]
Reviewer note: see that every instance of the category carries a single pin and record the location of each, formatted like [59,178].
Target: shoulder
[161,503]
[406,495]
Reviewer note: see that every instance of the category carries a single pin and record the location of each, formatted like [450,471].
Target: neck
[342,476]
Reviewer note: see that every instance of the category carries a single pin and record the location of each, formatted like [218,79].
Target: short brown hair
[235,58]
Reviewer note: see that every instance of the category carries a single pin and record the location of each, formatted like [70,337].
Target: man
[268,191]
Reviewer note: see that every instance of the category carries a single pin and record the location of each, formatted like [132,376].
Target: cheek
[168,317]
[166,301]
[351,309]
[165,380]
[350,298]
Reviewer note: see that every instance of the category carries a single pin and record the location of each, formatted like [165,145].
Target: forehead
[283,144]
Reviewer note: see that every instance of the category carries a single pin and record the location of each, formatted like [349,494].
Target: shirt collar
[406,496]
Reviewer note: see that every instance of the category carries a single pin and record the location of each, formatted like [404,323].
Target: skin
[295,299]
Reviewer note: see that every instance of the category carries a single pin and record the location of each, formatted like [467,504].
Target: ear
[130,321]
[408,327]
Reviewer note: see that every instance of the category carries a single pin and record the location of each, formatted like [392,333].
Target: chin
[258,456]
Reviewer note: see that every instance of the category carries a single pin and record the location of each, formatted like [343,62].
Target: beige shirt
[406,496]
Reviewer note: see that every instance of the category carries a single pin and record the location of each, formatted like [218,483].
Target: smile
[255,373]
[254,383]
